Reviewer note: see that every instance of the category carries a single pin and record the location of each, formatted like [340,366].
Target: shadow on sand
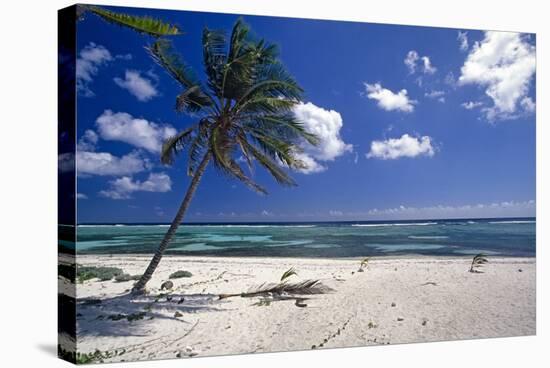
[132,315]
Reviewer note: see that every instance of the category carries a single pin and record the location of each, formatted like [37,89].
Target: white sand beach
[396,300]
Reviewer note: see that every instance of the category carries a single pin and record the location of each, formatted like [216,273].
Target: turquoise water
[509,237]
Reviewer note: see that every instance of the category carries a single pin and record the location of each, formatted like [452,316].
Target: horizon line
[302,222]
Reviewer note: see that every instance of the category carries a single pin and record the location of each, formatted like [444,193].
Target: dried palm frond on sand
[306,287]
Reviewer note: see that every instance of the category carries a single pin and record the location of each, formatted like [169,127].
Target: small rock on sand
[167,285]
[393,304]
[399,319]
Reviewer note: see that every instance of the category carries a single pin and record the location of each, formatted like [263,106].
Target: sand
[395,301]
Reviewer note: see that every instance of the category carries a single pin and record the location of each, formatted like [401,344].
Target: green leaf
[164,54]
[275,170]
[173,145]
[214,45]
[192,100]
[151,26]
[290,272]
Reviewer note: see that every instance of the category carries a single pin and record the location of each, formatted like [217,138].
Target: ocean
[493,237]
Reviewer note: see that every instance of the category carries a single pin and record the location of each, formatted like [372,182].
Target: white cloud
[326,125]
[124,57]
[450,80]
[122,188]
[159,211]
[389,100]
[91,57]
[504,63]
[479,210]
[142,88]
[106,164]
[412,59]
[463,40]
[88,141]
[428,67]
[311,166]
[406,146]
[528,104]
[436,95]
[470,105]
[81,196]
[139,132]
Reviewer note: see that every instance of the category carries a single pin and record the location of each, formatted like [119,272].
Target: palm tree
[244,108]
[141,24]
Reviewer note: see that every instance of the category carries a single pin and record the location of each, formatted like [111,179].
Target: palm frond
[247,154]
[174,145]
[198,146]
[163,53]
[478,261]
[274,169]
[142,24]
[245,61]
[214,45]
[272,80]
[285,124]
[192,100]
[239,35]
[290,272]
[234,170]
[307,287]
[277,148]
[222,146]
[266,105]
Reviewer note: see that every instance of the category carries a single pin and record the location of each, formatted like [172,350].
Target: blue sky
[415,122]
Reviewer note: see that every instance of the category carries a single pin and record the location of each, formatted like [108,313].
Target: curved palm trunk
[140,285]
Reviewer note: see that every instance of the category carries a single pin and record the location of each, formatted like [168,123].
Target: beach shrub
[129,317]
[180,274]
[84,273]
[126,277]
[478,261]
[123,278]
[84,358]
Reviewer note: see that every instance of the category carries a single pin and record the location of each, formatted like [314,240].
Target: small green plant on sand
[290,272]
[478,261]
[126,277]
[84,273]
[364,265]
[96,356]
[129,317]
[180,274]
